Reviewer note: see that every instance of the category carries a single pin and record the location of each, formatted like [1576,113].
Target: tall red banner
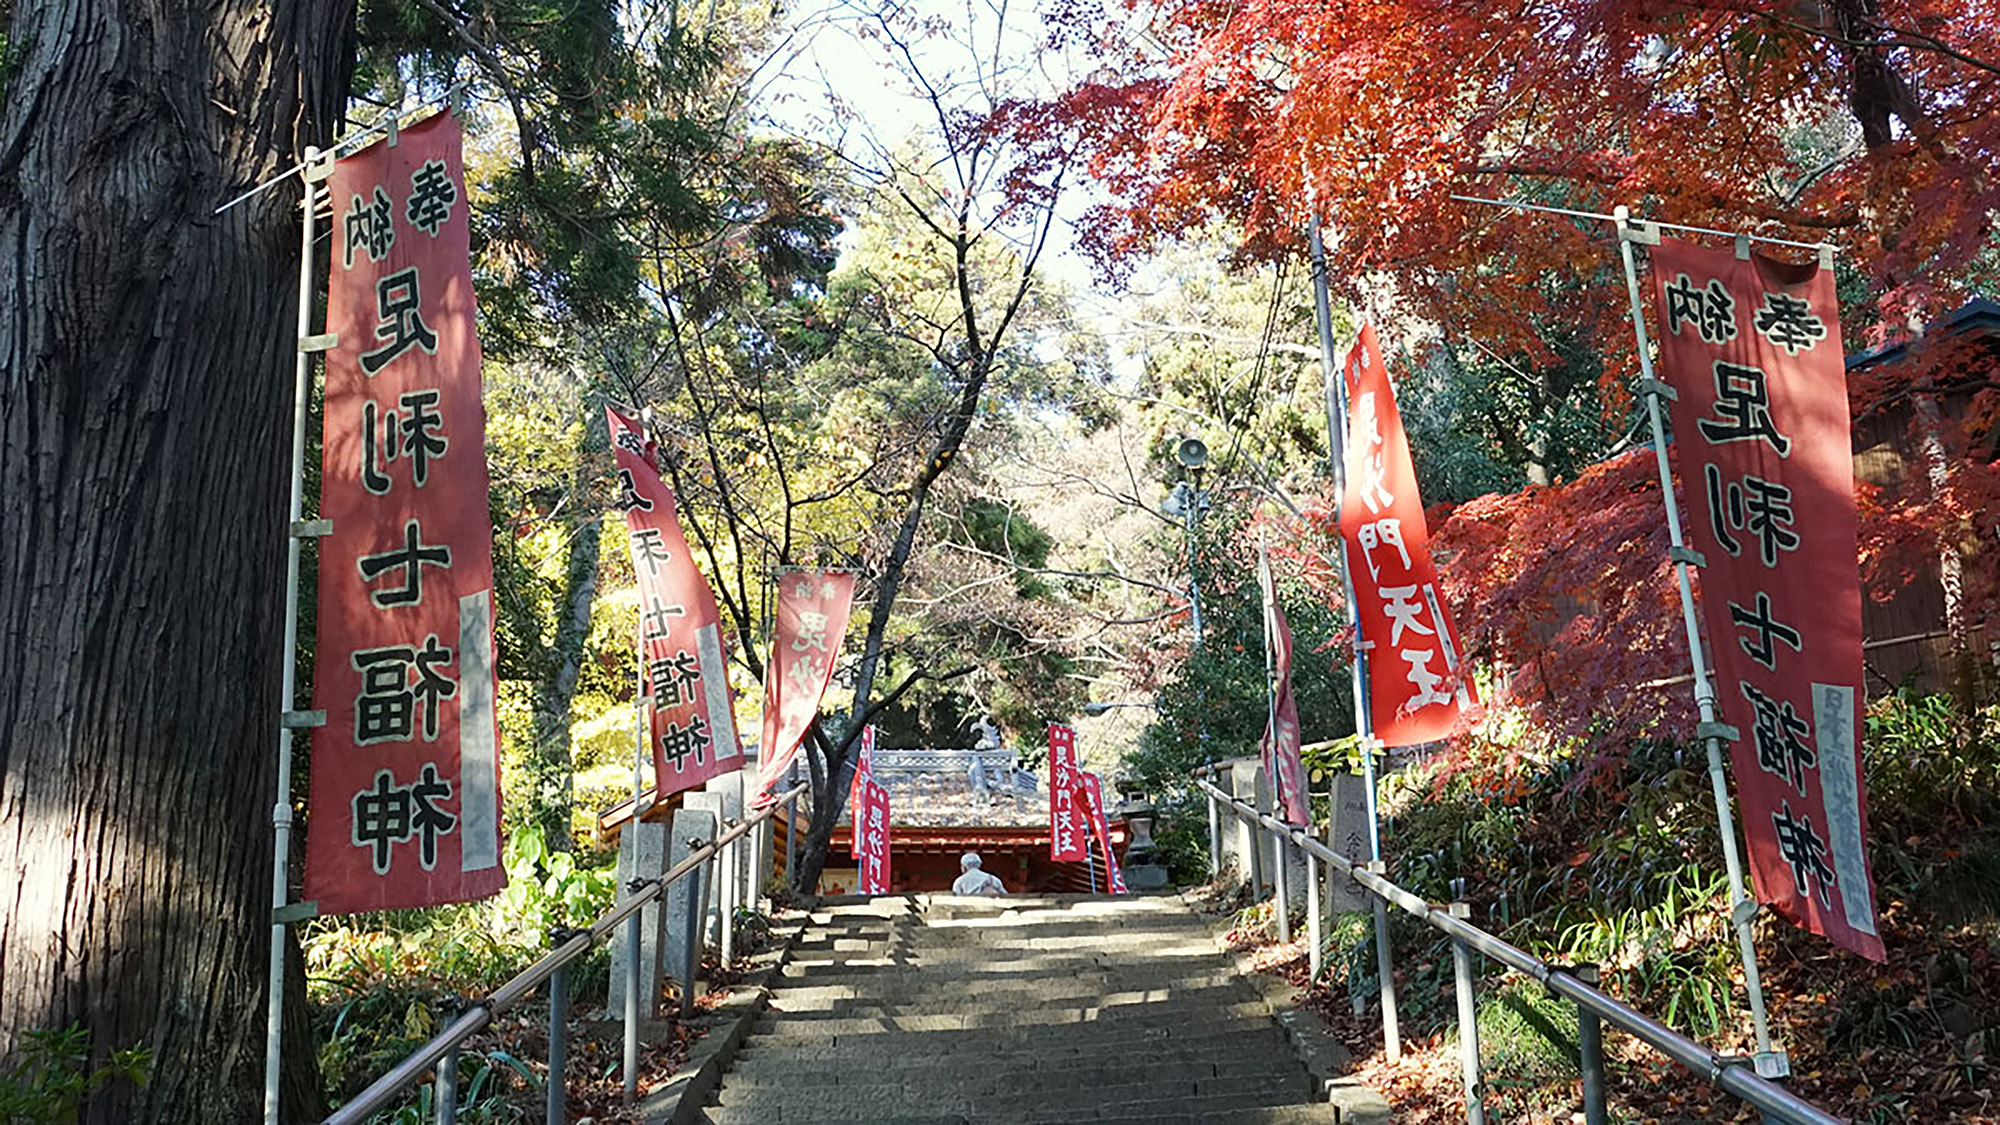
[864,775]
[871,822]
[1281,749]
[1417,691]
[405,773]
[813,606]
[691,719]
[1752,349]
[1100,826]
[1068,818]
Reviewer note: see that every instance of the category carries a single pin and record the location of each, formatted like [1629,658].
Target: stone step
[807,1024]
[1244,1043]
[831,1110]
[892,988]
[997,1090]
[1080,1037]
[914,1002]
[1046,1073]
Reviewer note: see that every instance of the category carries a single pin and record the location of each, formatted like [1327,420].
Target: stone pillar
[642,854]
[681,951]
[742,855]
[710,803]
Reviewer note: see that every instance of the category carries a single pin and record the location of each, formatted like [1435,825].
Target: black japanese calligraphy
[649,549]
[431,195]
[1765,631]
[678,743]
[412,557]
[1754,505]
[1788,322]
[1780,734]
[370,227]
[654,621]
[390,703]
[1806,853]
[673,679]
[389,814]
[412,431]
[399,308]
[629,499]
[1743,409]
[1709,308]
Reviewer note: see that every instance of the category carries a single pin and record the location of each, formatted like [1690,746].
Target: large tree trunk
[557,691]
[145,399]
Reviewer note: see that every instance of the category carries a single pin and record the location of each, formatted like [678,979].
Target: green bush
[54,1076]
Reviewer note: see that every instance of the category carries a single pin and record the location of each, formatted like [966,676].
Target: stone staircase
[1019,1009]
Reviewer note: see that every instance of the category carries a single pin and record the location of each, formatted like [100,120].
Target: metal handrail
[384,1089]
[1715,1069]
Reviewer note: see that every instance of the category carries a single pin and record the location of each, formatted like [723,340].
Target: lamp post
[1189,502]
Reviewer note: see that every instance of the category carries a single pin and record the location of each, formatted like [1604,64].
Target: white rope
[345,142]
[1666,226]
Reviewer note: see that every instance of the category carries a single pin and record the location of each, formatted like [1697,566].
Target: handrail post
[631,1057]
[1590,1052]
[1468,1021]
[691,956]
[556,1098]
[1385,970]
[1282,877]
[1314,909]
[446,1089]
[1214,839]
[725,899]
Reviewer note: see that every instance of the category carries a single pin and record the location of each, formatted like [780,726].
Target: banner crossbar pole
[1614,218]
[281,808]
[1336,436]
[339,147]
[1704,691]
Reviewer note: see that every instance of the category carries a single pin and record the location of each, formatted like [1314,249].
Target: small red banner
[1417,691]
[1752,349]
[871,820]
[1100,826]
[864,775]
[813,607]
[691,716]
[1068,819]
[405,773]
[1281,749]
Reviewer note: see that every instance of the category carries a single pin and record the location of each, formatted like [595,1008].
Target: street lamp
[1189,502]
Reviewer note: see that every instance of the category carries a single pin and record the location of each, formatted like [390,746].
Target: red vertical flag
[813,607]
[1100,826]
[864,775]
[1283,762]
[871,820]
[1752,349]
[1417,691]
[1068,819]
[691,719]
[405,778]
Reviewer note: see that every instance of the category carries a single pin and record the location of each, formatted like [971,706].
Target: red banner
[871,820]
[1752,349]
[1280,746]
[691,716]
[812,618]
[405,773]
[1068,819]
[1100,826]
[864,775]
[1417,691]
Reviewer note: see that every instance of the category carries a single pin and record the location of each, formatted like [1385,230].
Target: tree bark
[145,405]
[555,694]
